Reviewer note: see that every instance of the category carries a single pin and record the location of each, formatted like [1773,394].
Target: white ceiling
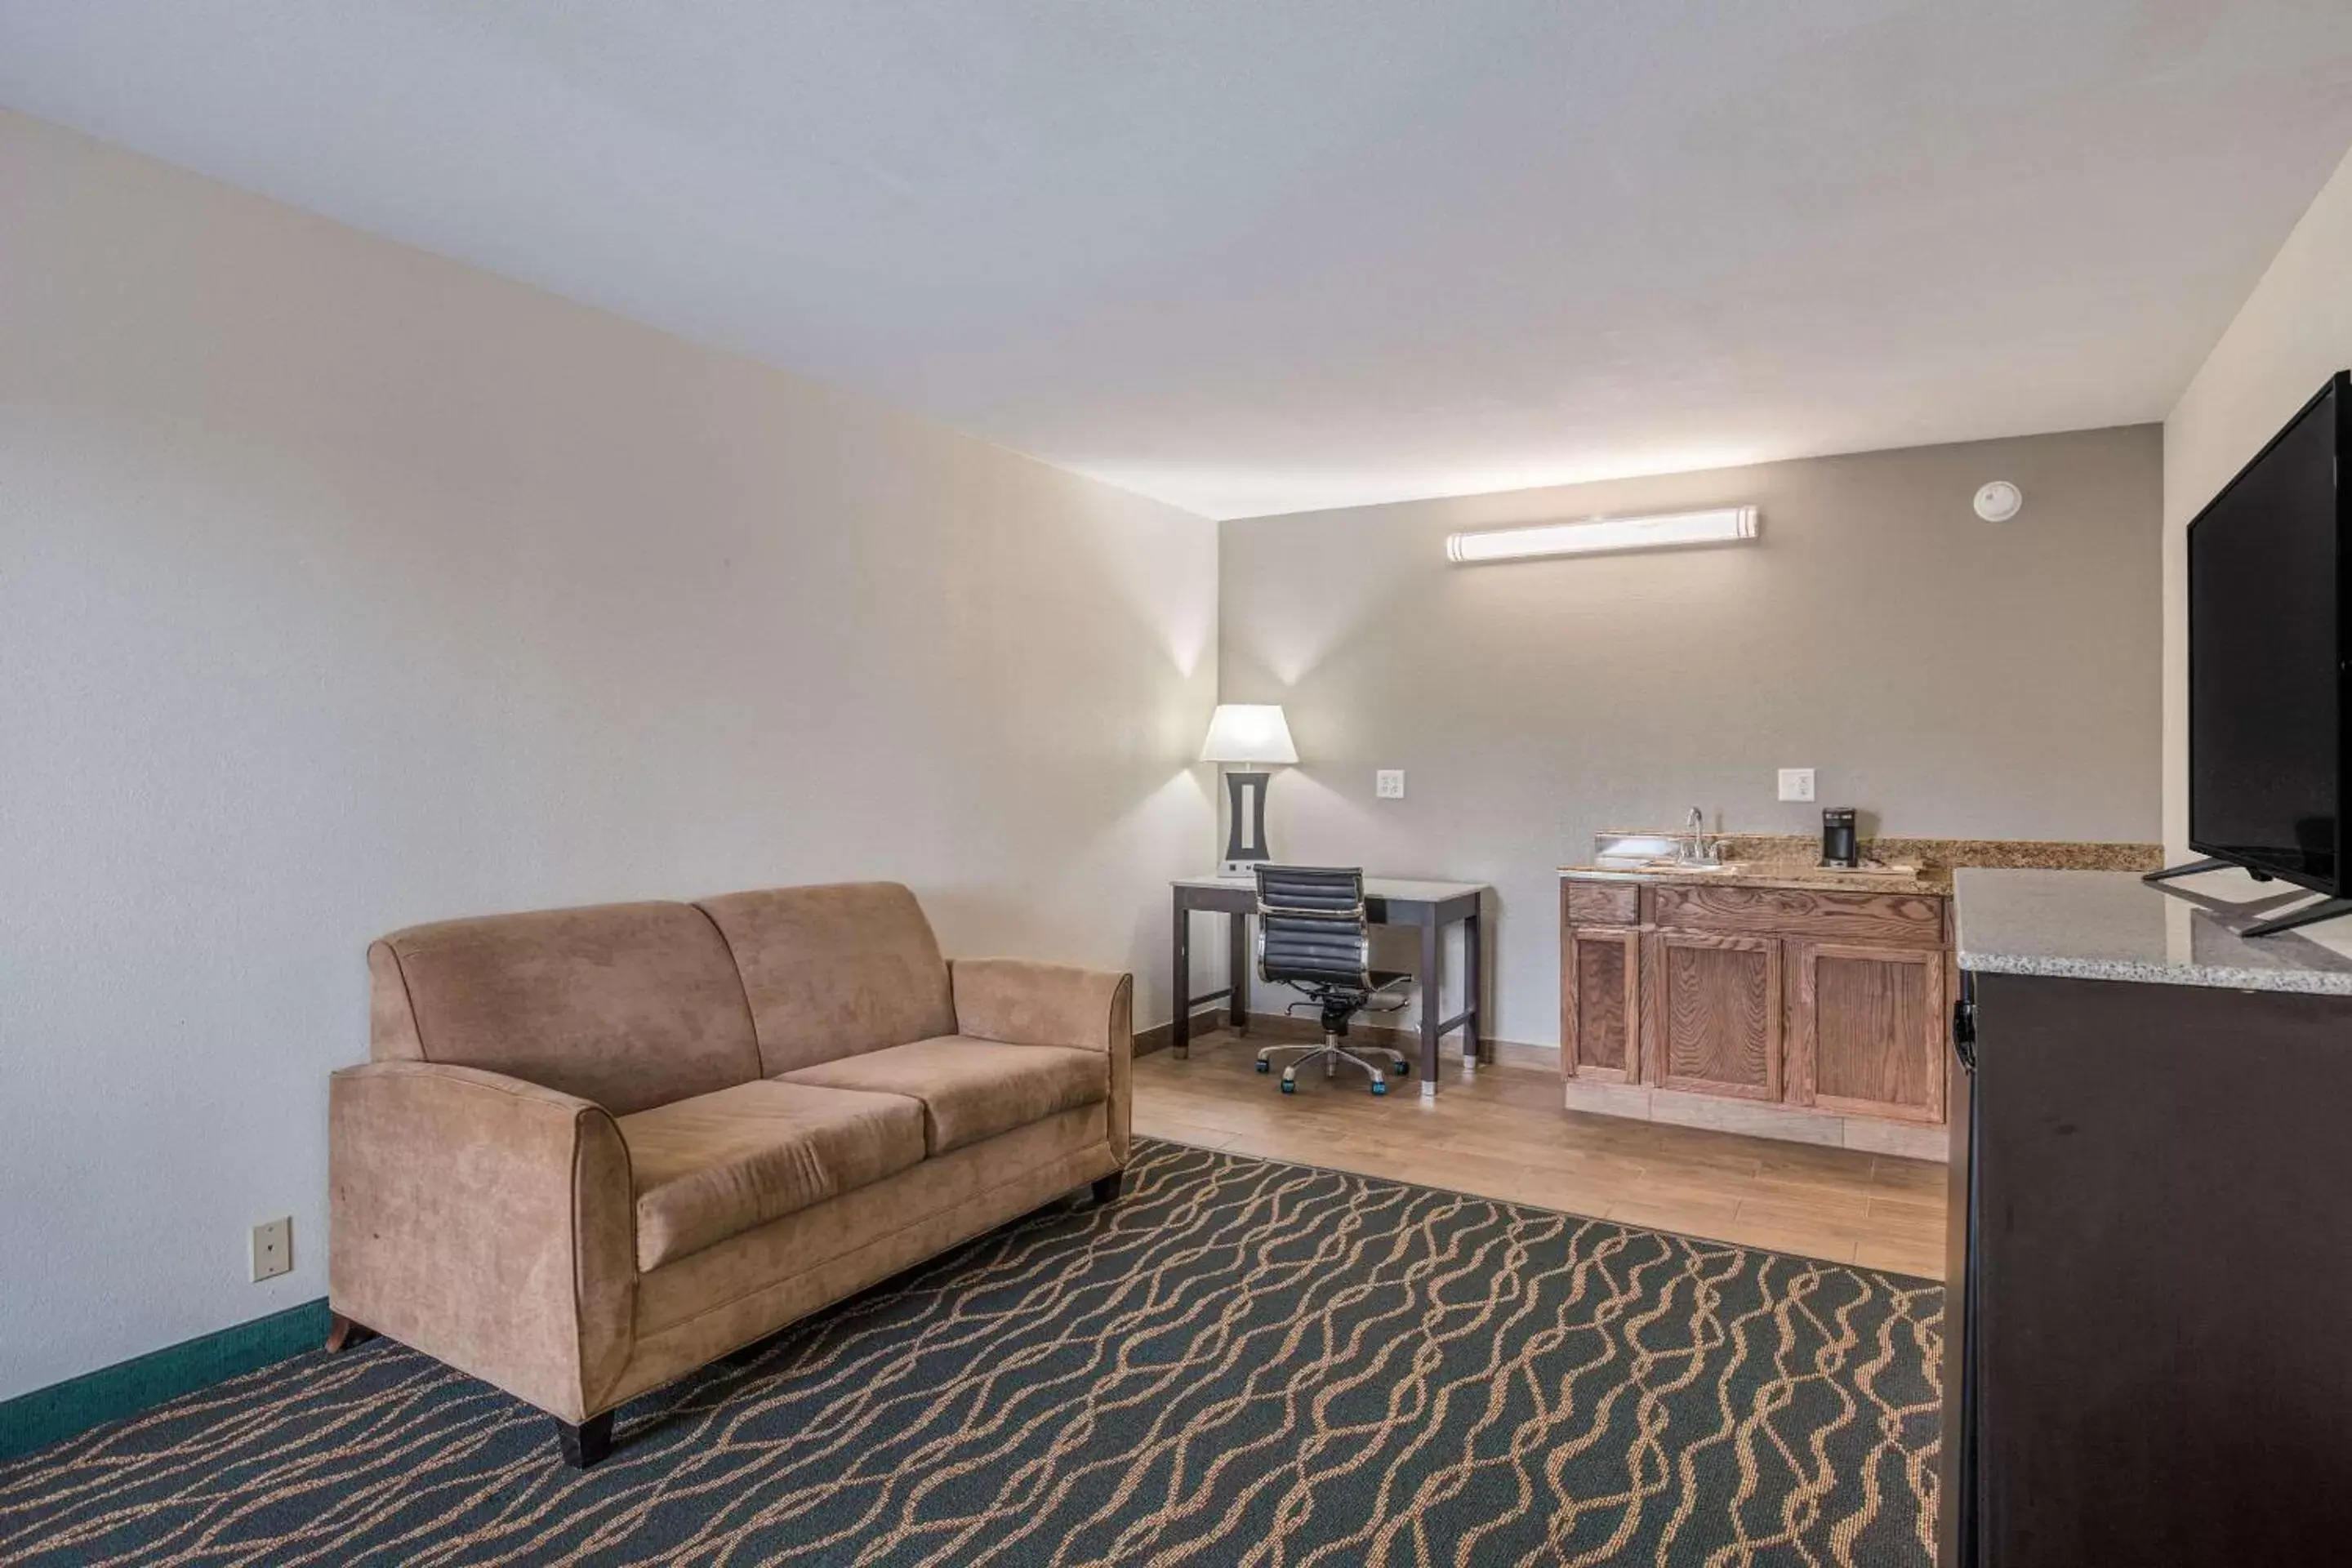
[1257,256]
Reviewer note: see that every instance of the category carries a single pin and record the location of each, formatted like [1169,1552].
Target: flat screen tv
[2268,678]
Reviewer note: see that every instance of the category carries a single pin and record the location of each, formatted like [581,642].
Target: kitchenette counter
[2112,926]
[1916,866]
[1773,996]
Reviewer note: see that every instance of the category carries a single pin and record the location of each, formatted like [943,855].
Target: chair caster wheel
[1265,1067]
[1403,1068]
[1288,1087]
[1379,1086]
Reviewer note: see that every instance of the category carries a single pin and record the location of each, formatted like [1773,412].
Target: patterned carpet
[1238,1362]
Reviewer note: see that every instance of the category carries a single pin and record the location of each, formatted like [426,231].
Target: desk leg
[1237,966]
[1431,985]
[1180,1032]
[1474,1047]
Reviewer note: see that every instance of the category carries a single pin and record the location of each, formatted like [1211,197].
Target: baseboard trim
[1524,1054]
[51,1414]
[1159,1037]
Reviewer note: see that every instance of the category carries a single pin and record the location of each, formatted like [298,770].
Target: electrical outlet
[1796,784]
[1388,784]
[273,1248]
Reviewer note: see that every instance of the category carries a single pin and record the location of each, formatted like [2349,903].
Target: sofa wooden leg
[1108,1188]
[343,1334]
[586,1444]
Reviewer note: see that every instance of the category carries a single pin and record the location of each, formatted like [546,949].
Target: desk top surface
[1374,887]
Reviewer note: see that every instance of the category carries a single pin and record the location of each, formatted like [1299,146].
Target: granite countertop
[1779,874]
[1792,860]
[2110,925]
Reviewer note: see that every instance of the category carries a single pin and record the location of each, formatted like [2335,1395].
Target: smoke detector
[1998,501]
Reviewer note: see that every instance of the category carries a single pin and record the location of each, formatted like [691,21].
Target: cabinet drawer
[1908,919]
[1604,903]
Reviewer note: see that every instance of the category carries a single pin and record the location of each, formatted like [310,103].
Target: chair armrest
[485,1221]
[1018,1002]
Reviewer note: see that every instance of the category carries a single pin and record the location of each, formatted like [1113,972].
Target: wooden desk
[1388,901]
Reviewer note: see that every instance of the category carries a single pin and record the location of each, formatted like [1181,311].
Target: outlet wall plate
[1796,784]
[273,1248]
[1388,784]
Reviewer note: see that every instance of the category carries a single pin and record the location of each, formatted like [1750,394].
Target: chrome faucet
[1694,852]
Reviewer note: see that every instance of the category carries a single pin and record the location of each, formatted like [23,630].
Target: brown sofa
[598,1148]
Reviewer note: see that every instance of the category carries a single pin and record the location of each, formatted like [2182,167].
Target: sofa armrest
[1023,1003]
[485,1221]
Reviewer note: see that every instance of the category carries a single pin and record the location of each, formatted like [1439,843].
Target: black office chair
[1313,937]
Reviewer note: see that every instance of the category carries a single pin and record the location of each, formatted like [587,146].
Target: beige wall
[2294,332]
[1946,674]
[342,587]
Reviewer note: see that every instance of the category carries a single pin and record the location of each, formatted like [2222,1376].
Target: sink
[1650,852]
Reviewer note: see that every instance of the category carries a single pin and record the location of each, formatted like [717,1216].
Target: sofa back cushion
[631,1005]
[836,971]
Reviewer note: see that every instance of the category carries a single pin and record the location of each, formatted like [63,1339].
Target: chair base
[586,1444]
[1108,1188]
[1331,1053]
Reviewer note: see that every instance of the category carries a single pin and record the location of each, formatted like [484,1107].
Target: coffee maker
[1840,845]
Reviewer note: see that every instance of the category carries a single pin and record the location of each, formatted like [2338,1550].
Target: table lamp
[1247,733]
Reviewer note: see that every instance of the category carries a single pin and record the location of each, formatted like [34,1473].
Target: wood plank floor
[1504,1135]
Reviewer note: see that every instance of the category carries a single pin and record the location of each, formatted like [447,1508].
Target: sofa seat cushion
[972,1089]
[719,1164]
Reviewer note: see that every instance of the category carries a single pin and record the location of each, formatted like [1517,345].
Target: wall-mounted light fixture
[1724,525]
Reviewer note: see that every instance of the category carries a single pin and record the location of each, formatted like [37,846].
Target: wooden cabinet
[2152,1269]
[1711,1014]
[1814,999]
[1866,1029]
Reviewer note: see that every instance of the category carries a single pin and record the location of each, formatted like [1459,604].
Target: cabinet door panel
[1867,1030]
[1600,976]
[1711,1014]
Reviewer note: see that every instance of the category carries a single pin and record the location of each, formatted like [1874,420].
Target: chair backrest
[1311,927]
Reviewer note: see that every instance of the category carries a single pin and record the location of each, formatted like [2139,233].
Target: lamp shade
[1248,733]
